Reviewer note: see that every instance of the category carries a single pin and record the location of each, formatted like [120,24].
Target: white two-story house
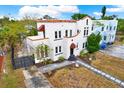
[68,37]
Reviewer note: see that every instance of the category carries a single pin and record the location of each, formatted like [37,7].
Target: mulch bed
[42,64]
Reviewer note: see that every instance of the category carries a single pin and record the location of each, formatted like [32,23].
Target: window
[87,32]
[55,34]
[114,27]
[66,33]
[78,31]
[84,32]
[92,27]
[59,34]
[104,37]
[83,45]
[110,28]
[87,22]
[77,45]
[56,50]
[107,28]
[59,48]
[70,33]
[102,28]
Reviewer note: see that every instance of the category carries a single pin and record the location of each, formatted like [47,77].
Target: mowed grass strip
[109,64]
[13,78]
[79,78]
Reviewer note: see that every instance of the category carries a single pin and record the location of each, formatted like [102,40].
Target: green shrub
[48,61]
[83,52]
[93,42]
[61,58]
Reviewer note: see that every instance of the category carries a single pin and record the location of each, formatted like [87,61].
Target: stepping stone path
[36,81]
[110,77]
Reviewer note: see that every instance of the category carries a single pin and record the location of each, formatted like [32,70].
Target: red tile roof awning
[41,28]
[73,46]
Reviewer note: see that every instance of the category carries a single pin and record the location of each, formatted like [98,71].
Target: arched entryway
[72,56]
[72,47]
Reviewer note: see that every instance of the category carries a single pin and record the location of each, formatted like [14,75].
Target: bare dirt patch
[109,64]
[78,78]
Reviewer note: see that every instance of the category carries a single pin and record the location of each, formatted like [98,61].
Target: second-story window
[87,32]
[107,28]
[92,27]
[84,32]
[59,34]
[66,33]
[87,22]
[78,31]
[102,28]
[55,34]
[110,28]
[70,33]
[114,27]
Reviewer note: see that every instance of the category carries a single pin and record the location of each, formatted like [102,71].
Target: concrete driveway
[115,50]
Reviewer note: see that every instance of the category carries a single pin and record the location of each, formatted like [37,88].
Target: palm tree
[43,50]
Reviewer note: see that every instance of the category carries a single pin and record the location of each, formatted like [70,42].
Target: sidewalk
[54,66]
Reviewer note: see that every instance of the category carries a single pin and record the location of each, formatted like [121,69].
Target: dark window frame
[66,33]
[56,35]
[60,34]
[87,21]
[56,50]
[60,49]
[70,33]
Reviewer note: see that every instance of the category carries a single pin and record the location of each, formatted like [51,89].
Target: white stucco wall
[77,38]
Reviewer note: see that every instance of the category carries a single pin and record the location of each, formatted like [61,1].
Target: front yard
[81,77]
[109,64]
[12,78]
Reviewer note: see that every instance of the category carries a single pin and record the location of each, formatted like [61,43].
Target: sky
[58,11]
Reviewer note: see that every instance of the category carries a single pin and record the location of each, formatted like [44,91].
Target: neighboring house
[68,37]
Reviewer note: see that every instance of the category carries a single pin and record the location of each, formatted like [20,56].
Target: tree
[93,42]
[12,37]
[111,17]
[78,16]
[120,25]
[47,17]
[103,11]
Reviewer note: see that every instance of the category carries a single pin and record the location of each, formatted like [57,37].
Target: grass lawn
[13,78]
[109,64]
[78,77]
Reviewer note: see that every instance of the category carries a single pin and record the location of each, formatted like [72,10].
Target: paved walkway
[50,67]
[115,50]
[108,76]
[38,80]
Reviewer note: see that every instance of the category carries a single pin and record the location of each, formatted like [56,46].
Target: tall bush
[93,42]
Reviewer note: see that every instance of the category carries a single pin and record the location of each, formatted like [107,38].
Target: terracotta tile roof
[55,20]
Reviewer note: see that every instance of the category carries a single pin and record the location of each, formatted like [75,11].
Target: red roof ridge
[56,20]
